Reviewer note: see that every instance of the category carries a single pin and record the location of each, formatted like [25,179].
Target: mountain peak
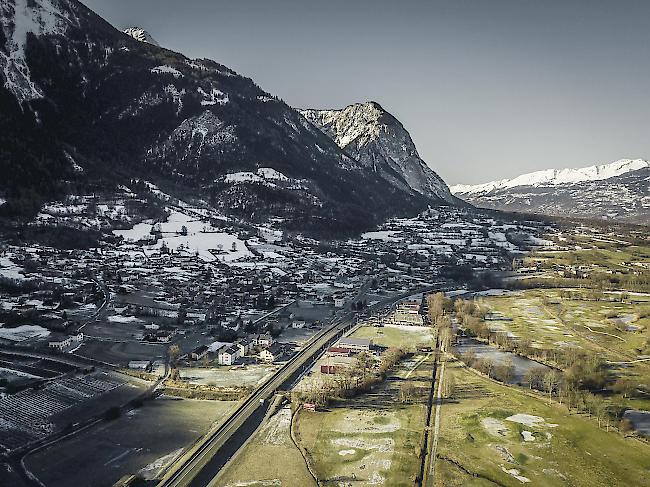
[139,34]
[380,143]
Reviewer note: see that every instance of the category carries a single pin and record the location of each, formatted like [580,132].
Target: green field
[373,439]
[550,319]
[270,458]
[618,332]
[482,444]
[404,337]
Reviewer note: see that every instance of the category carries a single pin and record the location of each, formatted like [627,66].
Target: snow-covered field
[386,235]
[201,239]
[9,270]
[139,231]
[185,233]
[23,332]
[124,319]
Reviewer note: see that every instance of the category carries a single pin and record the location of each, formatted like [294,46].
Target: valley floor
[493,434]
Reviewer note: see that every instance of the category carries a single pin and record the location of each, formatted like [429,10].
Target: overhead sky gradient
[488,89]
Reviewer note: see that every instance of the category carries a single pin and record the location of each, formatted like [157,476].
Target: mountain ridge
[615,191]
[554,177]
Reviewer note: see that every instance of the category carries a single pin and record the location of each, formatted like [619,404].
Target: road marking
[122,455]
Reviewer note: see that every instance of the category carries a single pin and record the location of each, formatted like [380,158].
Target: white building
[298,324]
[264,340]
[355,344]
[139,364]
[228,355]
[67,342]
[271,354]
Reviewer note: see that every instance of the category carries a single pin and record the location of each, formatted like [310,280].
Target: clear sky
[487,88]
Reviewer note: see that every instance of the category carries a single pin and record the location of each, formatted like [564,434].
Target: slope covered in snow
[381,144]
[556,177]
[20,19]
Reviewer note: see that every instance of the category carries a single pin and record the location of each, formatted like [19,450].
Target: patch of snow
[124,319]
[75,167]
[10,271]
[262,175]
[530,420]
[18,373]
[140,231]
[139,34]
[515,473]
[201,239]
[215,97]
[164,69]
[385,235]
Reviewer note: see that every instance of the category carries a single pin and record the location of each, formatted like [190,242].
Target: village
[189,306]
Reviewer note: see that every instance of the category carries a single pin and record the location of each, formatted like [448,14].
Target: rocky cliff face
[85,104]
[382,145]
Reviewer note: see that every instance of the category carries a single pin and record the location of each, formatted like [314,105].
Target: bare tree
[535,377]
[406,391]
[551,381]
[174,353]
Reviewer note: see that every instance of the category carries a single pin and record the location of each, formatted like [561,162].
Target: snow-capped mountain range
[381,144]
[556,177]
[614,191]
[139,34]
[85,105]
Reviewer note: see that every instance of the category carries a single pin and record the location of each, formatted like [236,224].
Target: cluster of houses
[258,346]
[414,249]
[407,313]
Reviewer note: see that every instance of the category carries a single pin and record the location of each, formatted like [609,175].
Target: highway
[192,470]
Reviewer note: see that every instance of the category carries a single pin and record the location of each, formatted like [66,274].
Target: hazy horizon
[488,90]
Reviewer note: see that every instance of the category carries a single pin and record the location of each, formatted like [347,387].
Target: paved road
[102,308]
[191,471]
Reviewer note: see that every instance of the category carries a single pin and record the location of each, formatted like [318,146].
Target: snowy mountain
[556,177]
[139,34]
[381,144]
[86,106]
[615,191]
